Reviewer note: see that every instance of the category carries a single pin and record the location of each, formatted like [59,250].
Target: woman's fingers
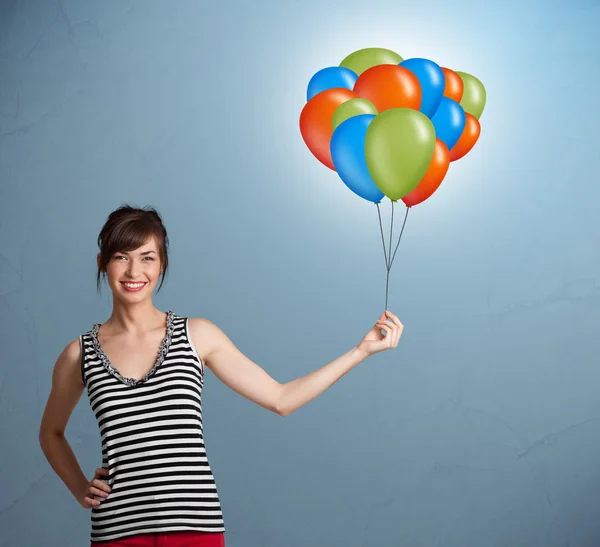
[387,328]
[399,327]
[394,319]
[92,502]
[98,488]
[98,492]
[102,485]
[392,333]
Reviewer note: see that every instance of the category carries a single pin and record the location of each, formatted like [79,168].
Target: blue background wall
[482,429]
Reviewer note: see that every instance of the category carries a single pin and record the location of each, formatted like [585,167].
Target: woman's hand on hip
[94,489]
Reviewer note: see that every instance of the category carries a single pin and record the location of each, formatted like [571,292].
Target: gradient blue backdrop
[482,429]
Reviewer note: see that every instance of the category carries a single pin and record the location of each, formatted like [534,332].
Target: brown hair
[128,228]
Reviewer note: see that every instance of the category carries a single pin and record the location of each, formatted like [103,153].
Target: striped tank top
[152,441]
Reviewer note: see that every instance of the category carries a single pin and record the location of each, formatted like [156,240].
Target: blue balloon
[432,80]
[348,155]
[329,78]
[449,122]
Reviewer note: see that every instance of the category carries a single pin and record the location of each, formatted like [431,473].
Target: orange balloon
[433,176]
[389,86]
[315,121]
[454,85]
[468,138]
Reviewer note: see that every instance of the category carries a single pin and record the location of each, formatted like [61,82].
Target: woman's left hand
[374,341]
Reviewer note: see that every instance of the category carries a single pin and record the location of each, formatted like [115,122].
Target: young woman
[144,372]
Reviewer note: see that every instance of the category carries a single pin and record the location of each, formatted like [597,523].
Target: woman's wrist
[360,353]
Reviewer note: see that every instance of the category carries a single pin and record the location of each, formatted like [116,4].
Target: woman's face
[132,275]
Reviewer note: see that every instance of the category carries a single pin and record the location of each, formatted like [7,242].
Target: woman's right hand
[94,488]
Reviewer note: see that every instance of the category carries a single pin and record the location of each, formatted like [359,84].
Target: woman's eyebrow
[144,253]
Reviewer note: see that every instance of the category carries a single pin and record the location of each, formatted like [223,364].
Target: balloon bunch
[391,127]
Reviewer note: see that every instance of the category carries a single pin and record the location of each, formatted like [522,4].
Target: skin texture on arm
[232,367]
[67,388]
[248,379]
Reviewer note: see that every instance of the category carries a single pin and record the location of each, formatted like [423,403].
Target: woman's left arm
[248,379]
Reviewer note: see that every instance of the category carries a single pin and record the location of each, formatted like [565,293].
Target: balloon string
[387,285]
[399,238]
[391,230]
[386,255]
[389,264]
[389,261]
[382,238]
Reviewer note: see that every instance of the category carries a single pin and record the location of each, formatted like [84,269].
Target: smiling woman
[128,230]
[144,373]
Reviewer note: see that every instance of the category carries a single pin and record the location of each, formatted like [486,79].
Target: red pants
[168,539]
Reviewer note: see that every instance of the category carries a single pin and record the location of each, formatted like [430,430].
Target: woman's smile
[133,286]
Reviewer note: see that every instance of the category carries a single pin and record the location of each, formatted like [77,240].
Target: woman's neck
[139,317]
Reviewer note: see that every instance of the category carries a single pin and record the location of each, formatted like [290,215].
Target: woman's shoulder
[205,334]
[72,351]
[200,326]
[69,359]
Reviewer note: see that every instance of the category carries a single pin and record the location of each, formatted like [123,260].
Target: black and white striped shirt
[152,441]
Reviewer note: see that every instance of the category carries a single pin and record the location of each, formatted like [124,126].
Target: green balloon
[351,108]
[361,60]
[398,148]
[474,95]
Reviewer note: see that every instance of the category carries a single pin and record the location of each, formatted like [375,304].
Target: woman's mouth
[133,287]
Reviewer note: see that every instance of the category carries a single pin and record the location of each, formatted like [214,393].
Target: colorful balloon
[454,86]
[438,167]
[315,121]
[353,107]
[389,86]
[432,82]
[363,59]
[329,78]
[474,95]
[398,148]
[449,122]
[467,140]
[348,154]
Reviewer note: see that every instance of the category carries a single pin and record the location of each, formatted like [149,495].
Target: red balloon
[433,177]
[454,85]
[389,86]
[315,121]
[469,137]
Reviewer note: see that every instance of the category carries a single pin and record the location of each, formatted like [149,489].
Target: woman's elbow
[48,433]
[282,410]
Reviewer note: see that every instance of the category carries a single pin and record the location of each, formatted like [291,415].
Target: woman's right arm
[67,388]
